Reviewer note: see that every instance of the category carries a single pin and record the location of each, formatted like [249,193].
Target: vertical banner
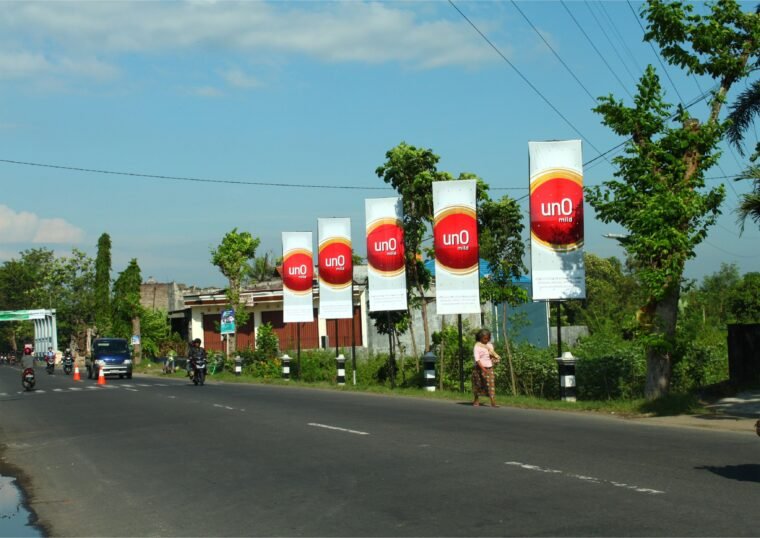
[228,322]
[386,266]
[556,220]
[297,277]
[455,236]
[336,271]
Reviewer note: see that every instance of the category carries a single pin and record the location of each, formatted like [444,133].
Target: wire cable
[556,55]
[614,48]
[657,54]
[524,78]
[625,88]
[195,179]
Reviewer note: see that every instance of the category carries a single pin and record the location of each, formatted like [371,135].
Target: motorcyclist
[27,360]
[50,358]
[196,353]
[67,360]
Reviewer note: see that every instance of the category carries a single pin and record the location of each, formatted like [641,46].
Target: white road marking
[74,388]
[131,390]
[142,385]
[57,390]
[3,394]
[590,479]
[317,425]
[160,385]
[225,407]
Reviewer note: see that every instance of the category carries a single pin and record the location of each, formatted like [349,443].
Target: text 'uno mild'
[389,247]
[460,240]
[298,270]
[562,209]
[339,262]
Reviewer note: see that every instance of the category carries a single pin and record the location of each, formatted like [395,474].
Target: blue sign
[228,322]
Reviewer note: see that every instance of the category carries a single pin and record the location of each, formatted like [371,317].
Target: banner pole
[391,357]
[353,333]
[559,329]
[336,338]
[461,354]
[298,352]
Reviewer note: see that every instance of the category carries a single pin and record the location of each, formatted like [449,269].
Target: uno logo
[455,234]
[556,210]
[298,271]
[385,247]
[335,263]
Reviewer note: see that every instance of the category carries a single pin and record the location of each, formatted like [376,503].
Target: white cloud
[26,227]
[205,91]
[240,79]
[328,31]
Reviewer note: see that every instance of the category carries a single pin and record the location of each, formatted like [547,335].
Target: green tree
[744,300]
[659,193]
[126,305]
[262,269]
[232,257]
[411,172]
[612,295]
[103,285]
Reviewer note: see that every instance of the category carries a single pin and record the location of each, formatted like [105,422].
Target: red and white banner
[386,266]
[336,270]
[297,277]
[455,236]
[556,220]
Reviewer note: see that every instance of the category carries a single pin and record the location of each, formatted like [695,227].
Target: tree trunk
[425,328]
[137,332]
[508,349]
[659,357]
[411,333]
[441,361]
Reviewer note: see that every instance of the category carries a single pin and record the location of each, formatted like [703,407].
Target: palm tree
[749,205]
[743,114]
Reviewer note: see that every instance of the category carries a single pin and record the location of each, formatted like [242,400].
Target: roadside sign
[228,322]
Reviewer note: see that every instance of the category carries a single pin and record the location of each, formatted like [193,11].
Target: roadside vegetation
[657,341]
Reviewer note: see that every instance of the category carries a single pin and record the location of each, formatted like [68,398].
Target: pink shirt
[482,354]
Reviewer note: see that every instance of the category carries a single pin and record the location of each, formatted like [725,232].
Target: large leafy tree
[103,285]
[411,172]
[126,305]
[232,257]
[659,194]
[744,300]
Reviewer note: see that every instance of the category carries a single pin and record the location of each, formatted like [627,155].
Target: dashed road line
[318,425]
[584,478]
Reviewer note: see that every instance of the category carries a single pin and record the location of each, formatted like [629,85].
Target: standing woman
[483,382]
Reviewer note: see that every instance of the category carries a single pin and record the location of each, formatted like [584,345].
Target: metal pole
[298,355]
[336,337]
[391,357]
[559,329]
[353,334]
[461,354]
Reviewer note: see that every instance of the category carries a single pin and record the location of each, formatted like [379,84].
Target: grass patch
[674,404]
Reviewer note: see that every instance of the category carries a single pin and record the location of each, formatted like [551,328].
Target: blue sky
[298,93]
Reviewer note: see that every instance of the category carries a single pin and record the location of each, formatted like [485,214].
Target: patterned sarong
[483,383]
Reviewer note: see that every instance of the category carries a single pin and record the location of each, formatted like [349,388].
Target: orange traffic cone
[101,376]
[76,373]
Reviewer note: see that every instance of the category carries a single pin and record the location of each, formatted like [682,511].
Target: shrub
[608,367]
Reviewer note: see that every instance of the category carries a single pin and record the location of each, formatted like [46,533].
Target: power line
[614,48]
[625,88]
[620,37]
[556,55]
[525,79]
[657,54]
[195,179]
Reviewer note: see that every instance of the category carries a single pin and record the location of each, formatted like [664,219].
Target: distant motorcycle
[198,371]
[27,378]
[68,364]
[50,364]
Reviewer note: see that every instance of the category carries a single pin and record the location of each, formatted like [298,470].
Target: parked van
[111,354]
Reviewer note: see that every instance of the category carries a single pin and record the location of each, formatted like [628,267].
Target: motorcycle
[27,378]
[198,371]
[50,365]
[68,364]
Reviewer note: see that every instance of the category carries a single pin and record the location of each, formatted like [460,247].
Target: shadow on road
[746,472]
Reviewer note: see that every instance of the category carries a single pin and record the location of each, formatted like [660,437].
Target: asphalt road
[161,457]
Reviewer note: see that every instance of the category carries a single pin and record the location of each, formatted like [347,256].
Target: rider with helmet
[196,353]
